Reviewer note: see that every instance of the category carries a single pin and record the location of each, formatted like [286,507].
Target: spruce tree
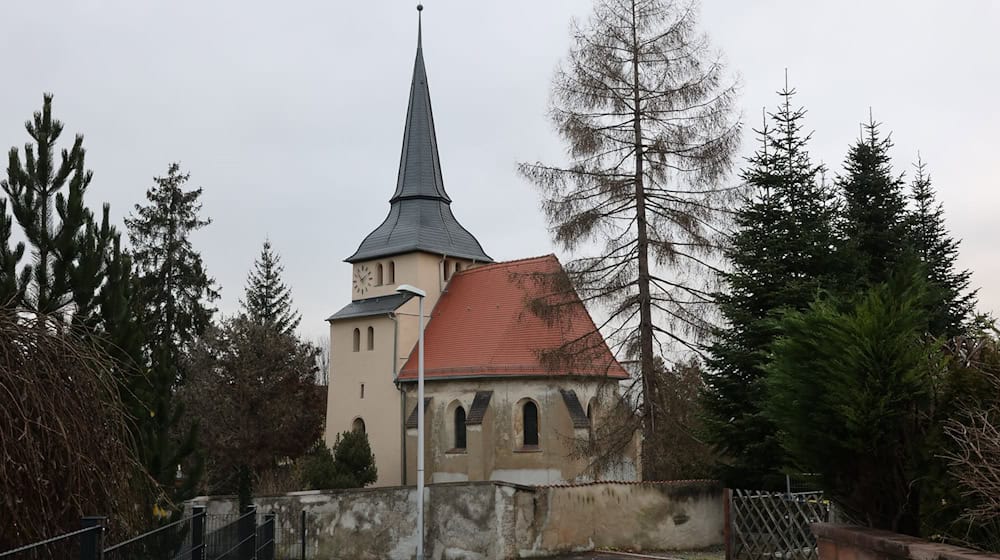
[938,251]
[68,245]
[268,301]
[780,258]
[874,221]
[175,294]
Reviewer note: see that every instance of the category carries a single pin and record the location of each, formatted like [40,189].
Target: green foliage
[268,301]
[68,245]
[931,243]
[350,465]
[173,294]
[10,287]
[852,392]
[874,221]
[780,258]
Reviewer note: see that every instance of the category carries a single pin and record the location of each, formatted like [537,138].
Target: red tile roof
[482,326]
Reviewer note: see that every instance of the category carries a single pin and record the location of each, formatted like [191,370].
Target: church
[494,409]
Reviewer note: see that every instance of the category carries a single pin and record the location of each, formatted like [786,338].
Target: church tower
[419,243]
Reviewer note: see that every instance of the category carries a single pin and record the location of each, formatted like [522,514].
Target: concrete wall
[493,521]
[848,542]
[494,449]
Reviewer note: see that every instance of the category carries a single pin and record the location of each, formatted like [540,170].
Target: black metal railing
[84,543]
[178,540]
[246,536]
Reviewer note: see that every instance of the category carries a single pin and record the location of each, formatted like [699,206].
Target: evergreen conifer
[268,301]
[780,258]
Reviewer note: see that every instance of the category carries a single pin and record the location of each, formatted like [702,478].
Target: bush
[350,465]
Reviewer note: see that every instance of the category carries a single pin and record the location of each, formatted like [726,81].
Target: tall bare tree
[647,111]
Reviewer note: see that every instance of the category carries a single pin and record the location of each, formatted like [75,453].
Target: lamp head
[413,290]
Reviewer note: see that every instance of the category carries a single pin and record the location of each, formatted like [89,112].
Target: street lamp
[408,289]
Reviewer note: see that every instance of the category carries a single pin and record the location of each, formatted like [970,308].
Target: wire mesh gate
[770,525]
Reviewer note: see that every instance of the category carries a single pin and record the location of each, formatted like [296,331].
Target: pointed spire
[419,164]
[420,216]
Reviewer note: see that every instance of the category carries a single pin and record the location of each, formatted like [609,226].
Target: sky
[290,114]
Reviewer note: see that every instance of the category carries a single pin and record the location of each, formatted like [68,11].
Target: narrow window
[458,266]
[459,428]
[392,272]
[447,271]
[371,338]
[359,425]
[378,274]
[357,340]
[362,390]
[530,424]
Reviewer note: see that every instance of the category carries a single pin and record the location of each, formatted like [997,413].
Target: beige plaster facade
[366,354]
[494,448]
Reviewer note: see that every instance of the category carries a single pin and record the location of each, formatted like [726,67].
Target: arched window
[459,428]
[530,412]
[371,338]
[357,340]
[392,272]
[358,425]
[378,274]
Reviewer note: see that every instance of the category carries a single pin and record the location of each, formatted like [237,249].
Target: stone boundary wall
[497,520]
[850,542]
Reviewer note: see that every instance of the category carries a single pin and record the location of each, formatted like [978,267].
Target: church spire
[420,216]
[419,164]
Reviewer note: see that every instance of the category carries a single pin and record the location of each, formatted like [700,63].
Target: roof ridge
[503,264]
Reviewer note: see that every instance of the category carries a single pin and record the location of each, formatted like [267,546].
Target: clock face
[362,279]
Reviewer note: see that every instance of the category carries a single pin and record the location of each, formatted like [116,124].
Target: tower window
[392,272]
[447,270]
[460,428]
[358,425]
[371,338]
[378,274]
[362,390]
[530,417]
[357,340]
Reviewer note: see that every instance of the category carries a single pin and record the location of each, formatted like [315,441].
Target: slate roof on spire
[420,216]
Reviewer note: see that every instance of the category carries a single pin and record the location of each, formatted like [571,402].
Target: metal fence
[251,535]
[774,525]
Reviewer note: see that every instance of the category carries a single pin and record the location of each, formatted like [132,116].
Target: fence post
[268,537]
[92,542]
[302,528]
[247,534]
[198,532]
[727,504]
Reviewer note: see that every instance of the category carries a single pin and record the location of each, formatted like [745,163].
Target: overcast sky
[290,114]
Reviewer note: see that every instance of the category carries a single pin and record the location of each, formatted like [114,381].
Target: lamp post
[408,289]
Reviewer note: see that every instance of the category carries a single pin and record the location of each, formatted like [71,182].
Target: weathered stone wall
[624,516]
[848,542]
[494,520]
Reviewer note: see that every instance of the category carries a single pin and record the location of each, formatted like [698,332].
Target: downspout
[402,398]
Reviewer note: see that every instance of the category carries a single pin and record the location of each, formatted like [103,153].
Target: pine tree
[10,287]
[268,301]
[780,258]
[874,221]
[68,245]
[939,252]
[174,295]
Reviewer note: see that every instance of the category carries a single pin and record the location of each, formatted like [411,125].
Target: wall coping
[369,489]
[894,544]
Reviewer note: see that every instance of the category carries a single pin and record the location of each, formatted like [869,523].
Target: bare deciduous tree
[648,114]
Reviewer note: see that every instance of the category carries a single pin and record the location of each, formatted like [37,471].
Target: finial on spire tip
[420,7]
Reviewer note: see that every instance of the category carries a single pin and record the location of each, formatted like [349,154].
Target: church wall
[379,409]
[495,449]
